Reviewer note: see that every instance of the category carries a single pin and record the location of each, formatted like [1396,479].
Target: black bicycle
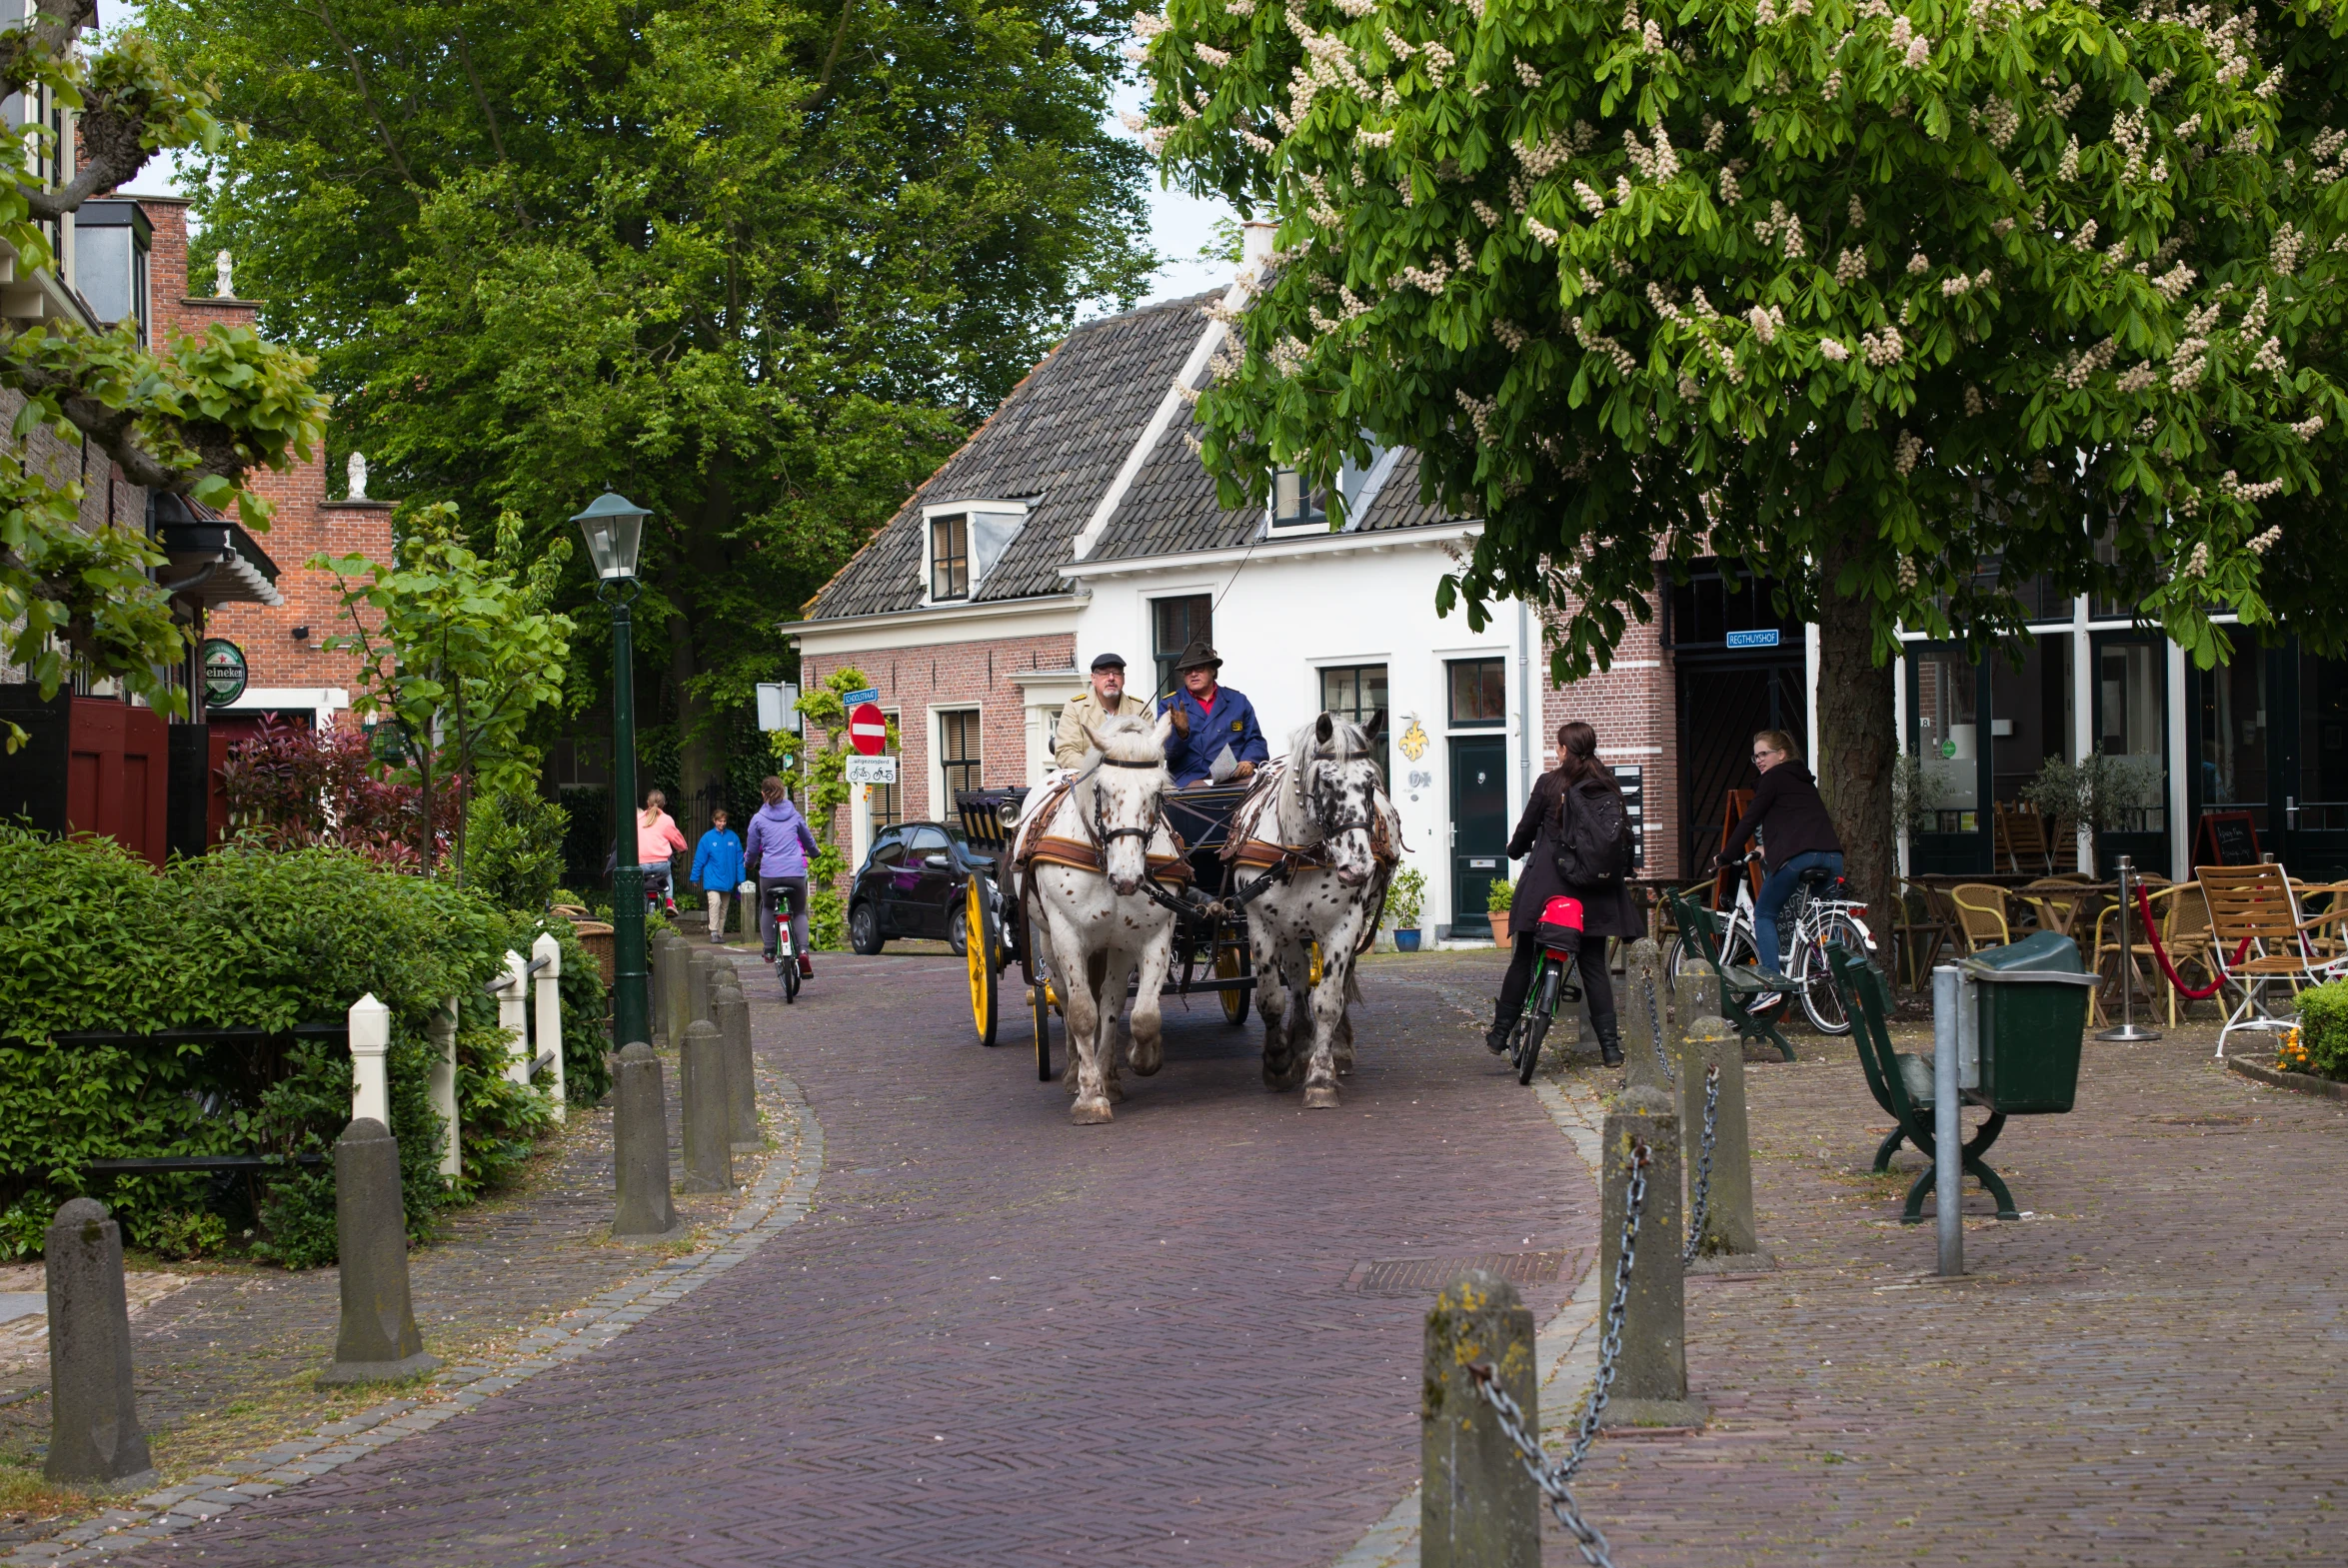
[1559,935]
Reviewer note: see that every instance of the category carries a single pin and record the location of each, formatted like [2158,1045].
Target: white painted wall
[1285,613]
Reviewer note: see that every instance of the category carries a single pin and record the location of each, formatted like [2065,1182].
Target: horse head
[1126,787]
[1333,778]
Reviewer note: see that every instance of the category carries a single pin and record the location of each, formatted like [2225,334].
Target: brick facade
[914,682]
[1634,708]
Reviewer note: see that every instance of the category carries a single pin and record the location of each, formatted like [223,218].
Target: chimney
[1255,245]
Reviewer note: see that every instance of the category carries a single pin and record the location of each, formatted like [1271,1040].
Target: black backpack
[1594,850]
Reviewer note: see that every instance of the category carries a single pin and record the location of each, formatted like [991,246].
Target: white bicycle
[1820,914]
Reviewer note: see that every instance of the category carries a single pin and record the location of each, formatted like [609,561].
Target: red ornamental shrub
[294,787]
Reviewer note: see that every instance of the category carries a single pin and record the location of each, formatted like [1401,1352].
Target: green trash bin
[2028,1019]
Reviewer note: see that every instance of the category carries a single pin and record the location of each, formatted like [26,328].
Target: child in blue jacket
[717,867]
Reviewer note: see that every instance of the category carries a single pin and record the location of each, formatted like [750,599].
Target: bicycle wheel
[788,965]
[1537,1023]
[1820,999]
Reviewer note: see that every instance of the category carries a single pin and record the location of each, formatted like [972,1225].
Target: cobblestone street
[998,1339]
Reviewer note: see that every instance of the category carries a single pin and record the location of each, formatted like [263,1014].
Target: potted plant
[1495,902]
[1406,895]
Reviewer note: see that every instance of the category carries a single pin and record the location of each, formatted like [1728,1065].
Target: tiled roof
[1059,438]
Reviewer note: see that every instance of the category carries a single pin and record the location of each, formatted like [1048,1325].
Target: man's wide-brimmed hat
[1198,655]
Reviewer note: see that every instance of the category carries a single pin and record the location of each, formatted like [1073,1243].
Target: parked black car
[912,884]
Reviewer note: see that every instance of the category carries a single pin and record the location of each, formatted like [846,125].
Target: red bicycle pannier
[1560,929]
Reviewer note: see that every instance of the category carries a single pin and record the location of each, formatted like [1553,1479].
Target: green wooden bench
[1741,984]
[1901,1082]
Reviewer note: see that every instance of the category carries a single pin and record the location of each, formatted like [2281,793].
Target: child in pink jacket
[656,840]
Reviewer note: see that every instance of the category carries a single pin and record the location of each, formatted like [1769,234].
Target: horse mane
[1347,742]
[1126,737]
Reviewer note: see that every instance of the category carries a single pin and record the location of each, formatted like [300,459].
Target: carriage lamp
[614,527]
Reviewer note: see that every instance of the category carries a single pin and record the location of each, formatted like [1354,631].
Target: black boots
[1609,1039]
[1495,1038]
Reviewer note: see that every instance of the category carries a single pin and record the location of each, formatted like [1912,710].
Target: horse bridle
[1096,826]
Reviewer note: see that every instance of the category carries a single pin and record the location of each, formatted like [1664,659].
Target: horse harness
[1279,862]
[1092,852]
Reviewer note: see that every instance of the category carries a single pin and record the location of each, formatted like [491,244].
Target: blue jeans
[1774,891]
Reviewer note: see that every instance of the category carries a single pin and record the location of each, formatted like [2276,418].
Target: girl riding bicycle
[1605,910]
[1799,837]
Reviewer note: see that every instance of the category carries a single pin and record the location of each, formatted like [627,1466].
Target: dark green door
[1480,828]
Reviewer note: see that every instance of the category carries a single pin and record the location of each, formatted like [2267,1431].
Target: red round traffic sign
[867,730]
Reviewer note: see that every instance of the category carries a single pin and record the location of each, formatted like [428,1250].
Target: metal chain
[1551,1477]
[1646,980]
[1704,1180]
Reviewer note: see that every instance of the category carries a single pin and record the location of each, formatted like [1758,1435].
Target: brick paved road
[2153,1371]
[1003,1339]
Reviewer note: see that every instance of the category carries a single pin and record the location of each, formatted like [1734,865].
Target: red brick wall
[305,523]
[1633,708]
[914,679]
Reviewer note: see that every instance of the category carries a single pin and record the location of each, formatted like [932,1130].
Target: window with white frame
[959,753]
[1295,504]
[964,544]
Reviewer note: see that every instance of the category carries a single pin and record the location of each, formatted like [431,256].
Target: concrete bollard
[741,1107]
[1651,1379]
[1728,1241]
[377,1341]
[514,1017]
[639,1147]
[370,1027]
[656,982]
[700,964]
[1476,1506]
[676,992]
[1642,969]
[546,1002]
[94,1436]
[441,1087]
[708,1142]
[1697,993]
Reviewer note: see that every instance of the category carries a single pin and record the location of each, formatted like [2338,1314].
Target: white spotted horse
[1311,849]
[1082,860]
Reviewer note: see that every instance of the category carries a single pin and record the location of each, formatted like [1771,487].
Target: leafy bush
[1499,895]
[2323,1028]
[514,850]
[98,941]
[290,788]
[1405,897]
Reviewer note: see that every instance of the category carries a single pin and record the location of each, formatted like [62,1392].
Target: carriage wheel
[1230,965]
[978,956]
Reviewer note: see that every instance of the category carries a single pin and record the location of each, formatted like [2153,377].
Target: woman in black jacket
[1798,835]
[1605,911]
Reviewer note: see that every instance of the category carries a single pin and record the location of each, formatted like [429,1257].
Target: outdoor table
[2060,904]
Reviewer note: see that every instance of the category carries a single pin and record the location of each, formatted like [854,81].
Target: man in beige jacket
[1107,699]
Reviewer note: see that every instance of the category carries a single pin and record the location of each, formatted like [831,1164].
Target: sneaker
[806,968]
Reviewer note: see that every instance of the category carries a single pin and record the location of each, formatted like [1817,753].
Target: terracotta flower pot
[1500,927]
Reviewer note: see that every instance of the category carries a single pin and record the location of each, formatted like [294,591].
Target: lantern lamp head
[614,527]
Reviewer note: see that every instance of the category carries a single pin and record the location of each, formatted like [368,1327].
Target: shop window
[1359,692]
[1948,741]
[1174,622]
[1479,693]
[2131,731]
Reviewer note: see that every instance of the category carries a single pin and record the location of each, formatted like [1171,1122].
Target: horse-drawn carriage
[1211,951]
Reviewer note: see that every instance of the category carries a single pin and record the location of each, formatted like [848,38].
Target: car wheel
[957,931]
[864,930]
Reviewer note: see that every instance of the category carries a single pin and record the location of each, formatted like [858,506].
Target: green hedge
[2323,1028]
[96,939]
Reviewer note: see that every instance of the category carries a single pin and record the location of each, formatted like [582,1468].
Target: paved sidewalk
[2151,1369]
[1001,1339]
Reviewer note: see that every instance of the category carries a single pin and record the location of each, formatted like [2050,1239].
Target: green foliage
[1886,303]
[192,416]
[2102,792]
[1915,798]
[455,652]
[2323,1029]
[515,856]
[818,776]
[100,941]
[1496,897]
[1405,897]
[757,266]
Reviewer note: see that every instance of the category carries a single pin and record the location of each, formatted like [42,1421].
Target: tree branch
[366,93]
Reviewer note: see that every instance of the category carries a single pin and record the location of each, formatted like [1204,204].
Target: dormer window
[1295,504]
[965,540]
[111,244]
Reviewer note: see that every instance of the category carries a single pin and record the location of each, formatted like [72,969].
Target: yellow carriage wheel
[978,956]
[1230,965]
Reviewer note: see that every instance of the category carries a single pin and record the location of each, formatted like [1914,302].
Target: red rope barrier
[2152,935]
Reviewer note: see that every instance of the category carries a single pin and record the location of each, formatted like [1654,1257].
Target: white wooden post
[442,1086]
[370,1045]
[514,1017]
[549,951]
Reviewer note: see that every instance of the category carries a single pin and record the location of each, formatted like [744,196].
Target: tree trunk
[1857,746]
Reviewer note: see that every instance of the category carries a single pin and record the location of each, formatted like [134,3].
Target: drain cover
[1417,1276]
[2213,1119]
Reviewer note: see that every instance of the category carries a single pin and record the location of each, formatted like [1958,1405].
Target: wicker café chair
[1981,913]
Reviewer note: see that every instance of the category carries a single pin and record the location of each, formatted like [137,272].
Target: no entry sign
[867,732]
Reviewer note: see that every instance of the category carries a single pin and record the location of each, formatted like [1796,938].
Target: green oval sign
[224,672]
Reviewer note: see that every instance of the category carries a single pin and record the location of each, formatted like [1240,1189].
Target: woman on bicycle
[778,851]
[656,840]
[1799,836]
[1605,911]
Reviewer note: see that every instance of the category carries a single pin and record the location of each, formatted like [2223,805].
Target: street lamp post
[614,527]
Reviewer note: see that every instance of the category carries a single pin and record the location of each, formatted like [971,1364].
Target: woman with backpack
[1575,839]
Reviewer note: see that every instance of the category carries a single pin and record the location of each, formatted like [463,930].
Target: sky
[1179,224]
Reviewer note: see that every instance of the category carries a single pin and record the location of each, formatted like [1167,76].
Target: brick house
[97,759]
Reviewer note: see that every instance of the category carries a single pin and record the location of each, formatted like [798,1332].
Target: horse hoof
[1321,1096]
[1344,1063]
[1116,1091]
[1281,1079]
[1090,1112]
[1145,1066]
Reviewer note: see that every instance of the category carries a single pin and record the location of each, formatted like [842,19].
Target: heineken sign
[224,672]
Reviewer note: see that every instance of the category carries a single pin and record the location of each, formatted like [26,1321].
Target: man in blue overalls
[1208,719]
